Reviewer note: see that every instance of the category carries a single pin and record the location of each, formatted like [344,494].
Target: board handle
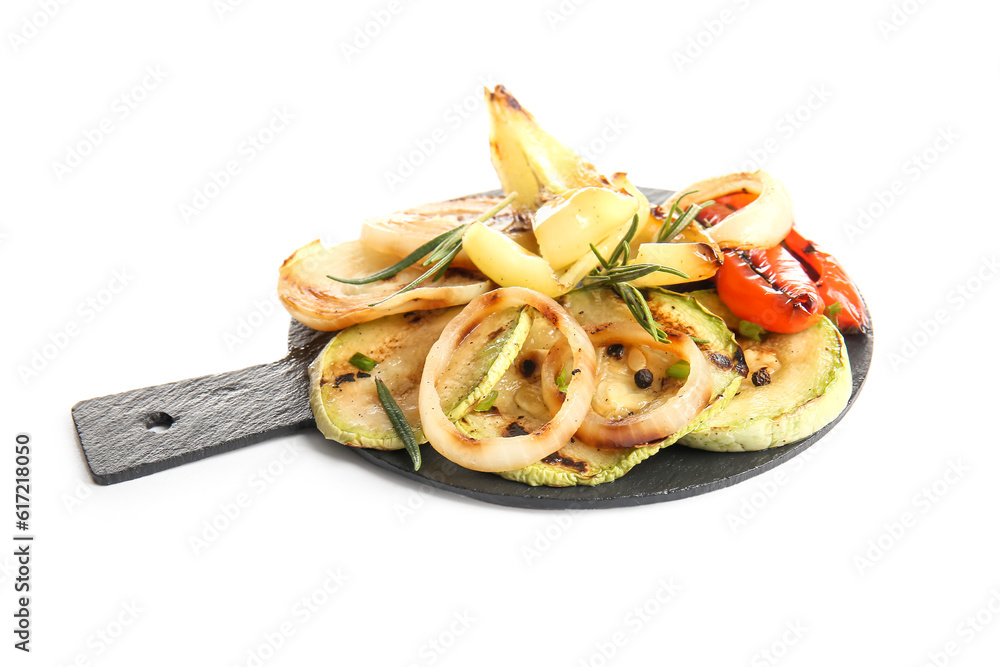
[147,430]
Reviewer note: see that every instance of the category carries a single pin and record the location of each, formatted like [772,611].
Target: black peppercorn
[761,377]
[644,378]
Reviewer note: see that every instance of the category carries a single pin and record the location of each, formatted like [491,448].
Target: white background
[819,546]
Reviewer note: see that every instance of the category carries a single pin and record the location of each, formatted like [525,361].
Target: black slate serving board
[139,432]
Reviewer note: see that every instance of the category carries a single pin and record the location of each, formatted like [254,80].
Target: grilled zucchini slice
[808,383]
[344,400]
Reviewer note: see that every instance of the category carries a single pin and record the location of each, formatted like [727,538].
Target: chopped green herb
[562,380]
[680,370]
[363,362]
[700,341]
[833,310]
[751,330]
[487,402]
[399,423]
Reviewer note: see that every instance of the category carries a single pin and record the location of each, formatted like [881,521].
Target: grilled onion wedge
[402,232]
[805,384]
[530,161]
[321,303]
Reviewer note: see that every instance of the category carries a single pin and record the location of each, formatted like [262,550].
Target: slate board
[143,431]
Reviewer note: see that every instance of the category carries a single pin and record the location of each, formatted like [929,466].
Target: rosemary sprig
[616,273]
[677,220]
[399,423]
[439,252]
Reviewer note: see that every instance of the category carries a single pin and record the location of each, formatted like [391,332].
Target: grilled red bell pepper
[769,288]
[724,206]
[833,283]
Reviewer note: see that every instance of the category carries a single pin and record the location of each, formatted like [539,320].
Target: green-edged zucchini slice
[343,398]
[481,359]
[808,383]
[519,404]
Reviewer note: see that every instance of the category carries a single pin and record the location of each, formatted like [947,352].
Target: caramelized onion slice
[497,454]
[402,232]
[649,426]
[763,223]
[324,304]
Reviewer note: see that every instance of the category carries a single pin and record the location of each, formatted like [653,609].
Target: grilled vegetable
[840,294]
[344,400]
[520,401]
[318,302]
[479,360]
[769,288]
[807,385]
[699,261]
[761,223]
[528,159]
[510,450]
[569,223]
[402,232]
[633,415]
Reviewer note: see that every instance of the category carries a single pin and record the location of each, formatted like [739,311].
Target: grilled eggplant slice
[344,401]
[798,383]
[318,302]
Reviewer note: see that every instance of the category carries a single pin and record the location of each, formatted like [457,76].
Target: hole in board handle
[158,422]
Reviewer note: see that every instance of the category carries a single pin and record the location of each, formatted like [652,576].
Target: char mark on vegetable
[340,379]
[565,462]
[722,361]
[514,429]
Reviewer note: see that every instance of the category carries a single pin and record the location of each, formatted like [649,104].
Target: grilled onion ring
[647,427]
[763,223]
[499,454]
